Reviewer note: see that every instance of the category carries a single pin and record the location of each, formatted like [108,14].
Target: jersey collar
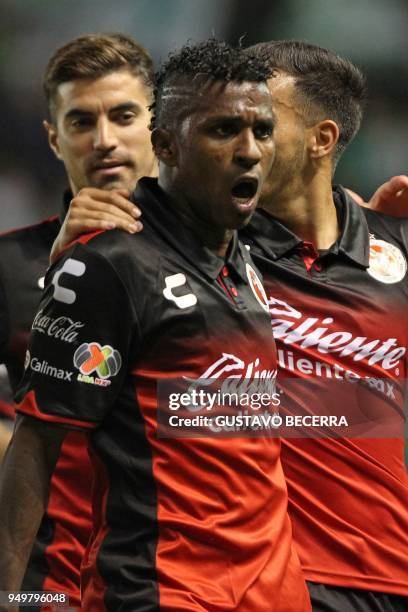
[159,212]
[354,241]
[276,240]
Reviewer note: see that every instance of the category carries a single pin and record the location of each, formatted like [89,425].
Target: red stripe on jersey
[225,541]
[15,230]
[7,410]
[83,239]
[224,288]
[352,535]
[348,497]
[30,408]
[92,584]
[69,508]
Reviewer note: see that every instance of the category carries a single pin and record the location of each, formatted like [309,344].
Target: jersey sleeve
[79,349]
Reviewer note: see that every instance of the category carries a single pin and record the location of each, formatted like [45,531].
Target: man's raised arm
[97,209]
[391,198]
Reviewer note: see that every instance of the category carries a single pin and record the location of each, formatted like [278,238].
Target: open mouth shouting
[244,191]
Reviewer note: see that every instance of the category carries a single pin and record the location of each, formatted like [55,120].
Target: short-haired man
[186,523]
[337,311]
[98,88]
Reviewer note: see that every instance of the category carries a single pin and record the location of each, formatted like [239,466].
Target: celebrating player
[337,312]
[319,255]
[186,523]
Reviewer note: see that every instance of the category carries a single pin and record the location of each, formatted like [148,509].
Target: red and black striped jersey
[64,531]
[24,259]
[180,523]
[340,315]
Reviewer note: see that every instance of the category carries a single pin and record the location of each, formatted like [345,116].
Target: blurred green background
[372,33]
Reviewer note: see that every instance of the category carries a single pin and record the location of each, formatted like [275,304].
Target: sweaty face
[101,131]
[225,151]
[289,168]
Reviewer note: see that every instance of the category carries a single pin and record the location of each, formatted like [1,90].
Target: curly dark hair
[328,86]
[187,71]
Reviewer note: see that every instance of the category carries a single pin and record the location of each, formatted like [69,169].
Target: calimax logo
[43,367]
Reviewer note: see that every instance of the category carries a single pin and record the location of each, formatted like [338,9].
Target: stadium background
[372,33]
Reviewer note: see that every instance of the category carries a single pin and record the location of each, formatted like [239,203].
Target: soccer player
[98,88]
[336,279]
[186,523]
[328,293]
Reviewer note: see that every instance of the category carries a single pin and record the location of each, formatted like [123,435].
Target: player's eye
[224,130]
[263,131]
[125,117]
[81,122]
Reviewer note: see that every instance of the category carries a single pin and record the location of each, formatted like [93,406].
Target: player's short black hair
[329,86]
[187,71]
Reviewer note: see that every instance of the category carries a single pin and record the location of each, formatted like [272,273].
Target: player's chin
[116,182]
[241,212]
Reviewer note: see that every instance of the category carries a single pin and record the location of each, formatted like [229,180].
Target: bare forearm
[5,435]
[24,485]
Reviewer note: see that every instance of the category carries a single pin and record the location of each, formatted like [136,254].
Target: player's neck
[308,211]
[215,238]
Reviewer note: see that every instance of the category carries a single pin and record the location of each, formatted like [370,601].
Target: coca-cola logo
[60,328]
[307,332]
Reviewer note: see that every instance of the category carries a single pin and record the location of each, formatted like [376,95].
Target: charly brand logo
[60,328]
[387,263]
[73,267]
[173,282]
[257,287]
[291,327]
[92,357]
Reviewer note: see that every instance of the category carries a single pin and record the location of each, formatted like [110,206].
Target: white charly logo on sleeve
[387,263]
[74,268]
[174,281]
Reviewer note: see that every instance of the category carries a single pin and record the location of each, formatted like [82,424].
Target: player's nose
[105,135]
[247,152]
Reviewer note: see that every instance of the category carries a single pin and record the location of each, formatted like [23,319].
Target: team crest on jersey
[257,287]
[387,263]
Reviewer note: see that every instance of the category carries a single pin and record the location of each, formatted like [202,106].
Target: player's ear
[323,138]
[52,133]
[164,146]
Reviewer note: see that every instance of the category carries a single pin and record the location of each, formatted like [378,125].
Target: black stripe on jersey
[128,551]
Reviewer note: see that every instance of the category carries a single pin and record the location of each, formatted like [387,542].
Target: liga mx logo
[92,357]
